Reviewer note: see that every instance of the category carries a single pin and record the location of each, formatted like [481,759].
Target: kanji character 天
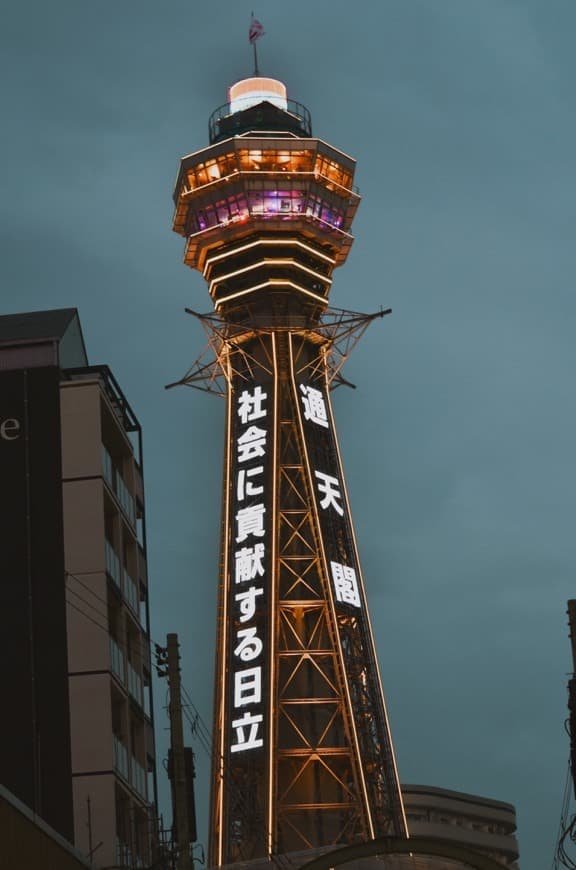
[329,487]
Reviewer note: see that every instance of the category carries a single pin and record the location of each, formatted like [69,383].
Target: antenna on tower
[254,33]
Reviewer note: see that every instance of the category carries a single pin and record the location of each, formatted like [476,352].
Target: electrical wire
[88,588]
[71,604]
[566,830]
[88,604]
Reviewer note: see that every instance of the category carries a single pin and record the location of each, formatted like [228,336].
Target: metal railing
[221,125]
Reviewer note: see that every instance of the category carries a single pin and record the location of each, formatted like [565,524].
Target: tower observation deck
[303,756]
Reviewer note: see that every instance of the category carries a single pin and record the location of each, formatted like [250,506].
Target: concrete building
[481,824]
[79,746]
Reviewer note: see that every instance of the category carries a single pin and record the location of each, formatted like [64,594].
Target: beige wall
[90,717]
[80,417]
[99,606]
[83,526]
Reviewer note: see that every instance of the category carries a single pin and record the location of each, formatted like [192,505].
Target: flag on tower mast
[254,33]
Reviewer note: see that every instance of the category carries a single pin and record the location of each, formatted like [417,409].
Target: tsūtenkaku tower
[302,752]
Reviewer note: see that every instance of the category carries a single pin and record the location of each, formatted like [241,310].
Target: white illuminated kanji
[244,487]
[329,487]
[314,406]
[250,645]
[345,584]
[250,521]
[249,563]
[250,405]
[252,741]
[248,687]
[251,444]
[247,601]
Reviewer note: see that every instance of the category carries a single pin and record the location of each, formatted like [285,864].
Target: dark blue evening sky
[458,444]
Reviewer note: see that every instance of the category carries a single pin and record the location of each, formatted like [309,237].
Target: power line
[88,588]
[565,829]
[87,603]
[86,615]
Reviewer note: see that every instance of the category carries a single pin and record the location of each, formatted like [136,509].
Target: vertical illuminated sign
[248,566]
[326,480]
[328,484]
[248,601]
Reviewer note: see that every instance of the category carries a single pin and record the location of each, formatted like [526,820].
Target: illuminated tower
[303,756]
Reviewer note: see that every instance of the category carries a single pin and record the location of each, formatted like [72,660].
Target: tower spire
[255,32]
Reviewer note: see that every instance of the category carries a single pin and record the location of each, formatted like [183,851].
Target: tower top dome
[249,92]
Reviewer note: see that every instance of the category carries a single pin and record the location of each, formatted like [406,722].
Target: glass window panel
[201,175]
[212,170]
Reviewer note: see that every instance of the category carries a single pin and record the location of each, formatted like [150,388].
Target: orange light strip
[284,241]
[273,282]
[340,238]
[268,262]
[225,592]
[367,813]
[273,614]
[366,611]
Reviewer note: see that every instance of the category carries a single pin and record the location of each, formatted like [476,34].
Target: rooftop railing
[224,124]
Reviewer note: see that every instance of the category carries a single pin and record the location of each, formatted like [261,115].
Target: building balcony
[135,685]
[131,593]
[116,483]
[126,857]
[117,661]
[120,757]
[138,778]
[112,563]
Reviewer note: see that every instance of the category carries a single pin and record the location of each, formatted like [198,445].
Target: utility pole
[572,691]
[179,809]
